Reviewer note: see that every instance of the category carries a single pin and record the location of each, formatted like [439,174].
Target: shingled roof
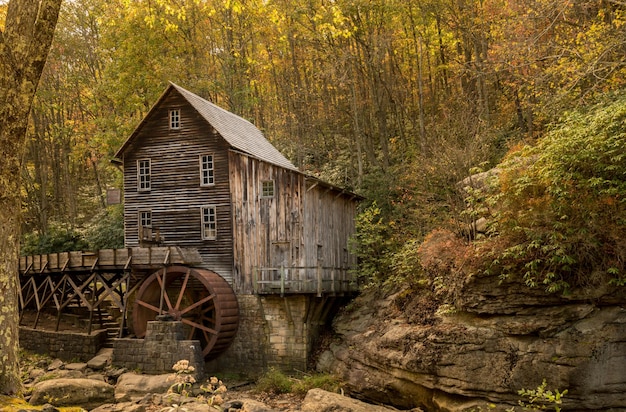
[237,131]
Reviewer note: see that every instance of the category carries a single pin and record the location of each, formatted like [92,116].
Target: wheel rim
[201,299]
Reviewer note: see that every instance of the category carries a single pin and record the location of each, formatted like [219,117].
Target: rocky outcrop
[500,338]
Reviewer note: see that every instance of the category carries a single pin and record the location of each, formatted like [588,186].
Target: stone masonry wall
[273,332]
[63,345]
[162,347]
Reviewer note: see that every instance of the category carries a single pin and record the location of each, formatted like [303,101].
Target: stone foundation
[274,331]
[64,345]
[162,347]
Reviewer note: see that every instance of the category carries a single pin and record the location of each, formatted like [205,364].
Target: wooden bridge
[92,280]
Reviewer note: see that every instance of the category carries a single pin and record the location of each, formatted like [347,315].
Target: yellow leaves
[619,19]
[3,15]
[332,22]
[150,20]
[234,5]
[275,17]
[170,27]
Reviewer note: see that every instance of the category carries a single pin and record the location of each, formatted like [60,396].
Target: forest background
[395,100]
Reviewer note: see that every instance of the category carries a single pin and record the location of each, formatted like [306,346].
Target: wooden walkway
[92,281]
[142,258]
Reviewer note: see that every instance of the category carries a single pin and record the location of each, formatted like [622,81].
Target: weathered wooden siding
[176,196]
[329,221]
[304,229]
[267,231]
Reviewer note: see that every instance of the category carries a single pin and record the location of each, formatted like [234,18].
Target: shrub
[372,245]
[274,382]
[561,205]
[58,238]
[542,398]
[326,382]
[106,229]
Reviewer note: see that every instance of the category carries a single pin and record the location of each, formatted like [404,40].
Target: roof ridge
[237,131]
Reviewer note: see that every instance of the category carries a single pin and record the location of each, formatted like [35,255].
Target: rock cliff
[499,337]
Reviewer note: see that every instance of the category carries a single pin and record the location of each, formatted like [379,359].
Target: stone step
[102,358]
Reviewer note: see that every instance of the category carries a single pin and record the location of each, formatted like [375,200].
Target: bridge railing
[318,280]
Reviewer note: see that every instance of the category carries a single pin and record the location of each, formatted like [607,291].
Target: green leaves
[371,245]
[562,202]
[542,398]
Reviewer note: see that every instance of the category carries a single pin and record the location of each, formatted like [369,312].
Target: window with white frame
[209,223]
[207,170]
[267,188]
[175,119]
[143,174]
[145,224]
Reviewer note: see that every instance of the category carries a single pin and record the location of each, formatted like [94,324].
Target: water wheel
[200,298]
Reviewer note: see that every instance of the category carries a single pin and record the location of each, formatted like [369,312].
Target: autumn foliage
[395,100]
[560,212]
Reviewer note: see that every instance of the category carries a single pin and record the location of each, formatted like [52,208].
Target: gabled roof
[239,133]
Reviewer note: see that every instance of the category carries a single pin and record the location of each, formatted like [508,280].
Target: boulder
[60,374]
[318,400]
[86,393]
[56,364]
[250,405]
[35,373]
[481,181]
[102,359]
[77,366]
[132,387]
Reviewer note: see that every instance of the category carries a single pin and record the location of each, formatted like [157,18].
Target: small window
[143,174]
[209,223]
[207,172]
[175,119]
[267,188]
[145,225]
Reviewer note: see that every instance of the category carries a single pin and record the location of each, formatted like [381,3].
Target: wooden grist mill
[221,232]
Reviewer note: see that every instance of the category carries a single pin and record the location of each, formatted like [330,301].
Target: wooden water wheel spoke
[206,336]
[207,320]
[182,289]
[192,332]
[199,326]
[194,296]
[147,305]
[165,295]
[197,304]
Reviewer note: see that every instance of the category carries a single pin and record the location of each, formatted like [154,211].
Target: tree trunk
[24,46]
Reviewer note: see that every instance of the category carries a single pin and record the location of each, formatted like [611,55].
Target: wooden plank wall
[291,229]
[263,227]
[329,221]
[176,196]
